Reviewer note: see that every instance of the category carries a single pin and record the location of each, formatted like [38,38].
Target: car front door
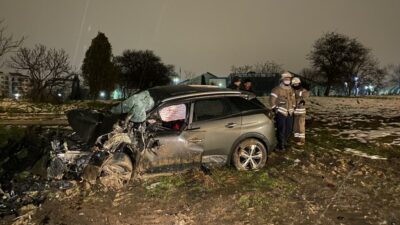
[219,122]
[179,149]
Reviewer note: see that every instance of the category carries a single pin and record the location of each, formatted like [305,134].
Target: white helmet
[286,75]
[296,81]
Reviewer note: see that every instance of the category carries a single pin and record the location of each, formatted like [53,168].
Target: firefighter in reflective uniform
[299,126]
[282,101]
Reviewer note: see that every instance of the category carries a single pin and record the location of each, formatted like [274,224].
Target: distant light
[59,95]
[175,80]
[356,78]
[366,87]
[219,84]
[102,94]
[371,87]
[17,95]
[345,84]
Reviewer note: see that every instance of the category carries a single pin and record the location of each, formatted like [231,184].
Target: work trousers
[299,127]
[284,126]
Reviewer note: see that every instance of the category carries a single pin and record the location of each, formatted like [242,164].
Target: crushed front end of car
[111,148]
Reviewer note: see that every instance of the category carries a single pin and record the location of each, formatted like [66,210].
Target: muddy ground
[347,173]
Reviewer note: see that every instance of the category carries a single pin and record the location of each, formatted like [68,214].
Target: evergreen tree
[98,70]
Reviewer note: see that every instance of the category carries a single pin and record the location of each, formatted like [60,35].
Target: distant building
[14,85]
[207,79]
[4,85]
[20,84]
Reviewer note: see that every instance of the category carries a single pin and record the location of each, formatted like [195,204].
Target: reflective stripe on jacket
[283,98]
[300,94]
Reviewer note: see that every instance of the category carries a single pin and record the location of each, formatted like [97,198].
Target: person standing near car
[235,84]
[247,85]
[282,101]
[299,124]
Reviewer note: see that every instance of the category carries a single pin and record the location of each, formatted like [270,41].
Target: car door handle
[231,125]
[195,140]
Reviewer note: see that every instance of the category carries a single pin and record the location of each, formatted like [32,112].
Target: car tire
[249,154]
[116,171]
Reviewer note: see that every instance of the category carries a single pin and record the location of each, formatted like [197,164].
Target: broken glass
[137,105]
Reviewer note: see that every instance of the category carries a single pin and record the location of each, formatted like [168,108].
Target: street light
[17,95]
[175,80]
[102,94]
[356,84]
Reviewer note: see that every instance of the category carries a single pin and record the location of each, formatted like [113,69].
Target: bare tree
[313,75]
[370,73]
[7,42]
[46,68]
[268,67]
[341,58]
[393,72]
[241,69]
[265,67]
[188,74]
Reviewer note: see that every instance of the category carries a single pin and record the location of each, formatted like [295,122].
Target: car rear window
[245,105]
[212,109]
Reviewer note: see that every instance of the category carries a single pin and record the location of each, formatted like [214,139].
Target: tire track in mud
[337,194]
[133,209]
[362,192]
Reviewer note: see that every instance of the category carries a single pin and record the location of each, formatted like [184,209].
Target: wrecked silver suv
[165,129]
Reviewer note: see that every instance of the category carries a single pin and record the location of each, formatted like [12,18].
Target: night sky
[207,35]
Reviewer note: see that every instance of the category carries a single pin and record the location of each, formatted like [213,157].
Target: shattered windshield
[137,105]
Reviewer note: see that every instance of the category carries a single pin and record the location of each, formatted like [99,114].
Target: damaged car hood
[90,124]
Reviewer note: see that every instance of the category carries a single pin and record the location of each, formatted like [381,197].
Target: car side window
[215,108]
[173,117]
[245,105]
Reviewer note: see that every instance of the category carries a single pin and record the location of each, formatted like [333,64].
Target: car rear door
[219,122]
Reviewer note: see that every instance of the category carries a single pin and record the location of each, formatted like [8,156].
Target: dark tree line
[336,59]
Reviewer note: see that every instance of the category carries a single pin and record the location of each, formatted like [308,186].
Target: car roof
[167,93]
